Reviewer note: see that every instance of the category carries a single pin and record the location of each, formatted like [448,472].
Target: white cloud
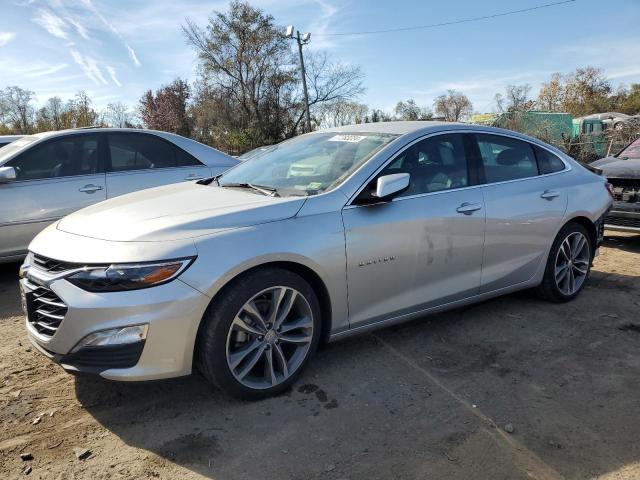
[53,24]
[90,67]
[82,31]
[132,55]
[321,24]
[6,37]
[45,72]
[112,73]
[109,25]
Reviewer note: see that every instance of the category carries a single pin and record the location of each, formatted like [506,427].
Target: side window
[62,157]
[131,151]
[184,159]
[547,161]
[506,158]
[436,163]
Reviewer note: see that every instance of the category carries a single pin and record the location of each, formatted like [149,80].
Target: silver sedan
[46,176]
[326,235]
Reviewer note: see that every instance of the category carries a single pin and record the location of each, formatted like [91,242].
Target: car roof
[393,128]
[208,155]
[414,129]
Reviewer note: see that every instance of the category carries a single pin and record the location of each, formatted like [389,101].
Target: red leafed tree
[167,109]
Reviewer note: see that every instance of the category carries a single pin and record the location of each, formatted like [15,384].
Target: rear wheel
[259,334]
[568,265]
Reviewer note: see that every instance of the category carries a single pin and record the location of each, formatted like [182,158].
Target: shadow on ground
[627,243]
[9,290]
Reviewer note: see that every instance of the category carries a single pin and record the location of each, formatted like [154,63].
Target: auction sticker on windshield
[347,138]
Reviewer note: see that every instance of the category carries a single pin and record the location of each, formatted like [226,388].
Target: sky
[117,49]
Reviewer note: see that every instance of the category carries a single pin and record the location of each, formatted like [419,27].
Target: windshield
[632,151]
[8,150]
[255,152]
[307,165]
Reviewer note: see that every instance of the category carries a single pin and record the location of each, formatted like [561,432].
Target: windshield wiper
[210,180]
[268,191]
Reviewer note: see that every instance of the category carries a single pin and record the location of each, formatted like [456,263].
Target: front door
[54,179]
[422,249]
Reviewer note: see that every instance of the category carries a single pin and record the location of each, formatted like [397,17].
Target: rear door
[423,248]
[54,178]
[142,160]
[525,204]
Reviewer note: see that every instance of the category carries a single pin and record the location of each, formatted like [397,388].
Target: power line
[443,24]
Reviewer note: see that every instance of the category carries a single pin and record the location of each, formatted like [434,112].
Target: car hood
[178,211]
[616,168]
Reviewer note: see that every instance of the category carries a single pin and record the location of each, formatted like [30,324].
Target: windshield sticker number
[347,138]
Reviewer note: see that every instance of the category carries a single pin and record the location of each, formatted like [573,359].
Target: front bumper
[172,311]
[624,217]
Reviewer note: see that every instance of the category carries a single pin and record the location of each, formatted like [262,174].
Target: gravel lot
[429,400]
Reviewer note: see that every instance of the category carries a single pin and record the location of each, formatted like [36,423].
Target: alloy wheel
[269,337]
[572,263]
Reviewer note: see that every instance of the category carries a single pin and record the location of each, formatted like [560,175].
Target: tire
[555,286]
[238,321]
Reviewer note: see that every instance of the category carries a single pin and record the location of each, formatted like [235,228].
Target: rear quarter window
[547,161]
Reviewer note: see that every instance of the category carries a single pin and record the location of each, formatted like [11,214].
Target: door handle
[90,188]
[549,194]
[193,176]
[468,208]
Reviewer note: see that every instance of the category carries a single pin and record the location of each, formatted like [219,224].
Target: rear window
[506,158]
[632,151]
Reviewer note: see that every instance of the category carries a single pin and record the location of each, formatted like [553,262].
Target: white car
[46,176]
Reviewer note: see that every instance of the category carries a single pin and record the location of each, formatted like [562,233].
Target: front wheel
[257,337]
[568,265]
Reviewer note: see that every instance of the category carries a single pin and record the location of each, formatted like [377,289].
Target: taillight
[609,188]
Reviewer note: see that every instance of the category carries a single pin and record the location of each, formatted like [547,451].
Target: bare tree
[16,108]
[242,53]
[248,92]
[329,82]
[83,112]
[551,94]
[118,115]
[410,110]
[342,112]
[378,115]
[453,106]
[517,97]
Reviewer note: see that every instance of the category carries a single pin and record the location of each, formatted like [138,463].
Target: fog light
[113,336]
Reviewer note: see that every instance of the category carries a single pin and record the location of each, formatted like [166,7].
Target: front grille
[45,310]
[622,221]
[51,265]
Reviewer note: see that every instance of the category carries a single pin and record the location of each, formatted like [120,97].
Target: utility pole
[302,40]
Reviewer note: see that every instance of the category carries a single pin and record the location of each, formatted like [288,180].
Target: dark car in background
[623,172]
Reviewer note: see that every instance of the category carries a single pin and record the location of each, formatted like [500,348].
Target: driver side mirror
[388,186]
[7,174]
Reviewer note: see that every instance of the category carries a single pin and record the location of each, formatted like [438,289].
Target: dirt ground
[429,400]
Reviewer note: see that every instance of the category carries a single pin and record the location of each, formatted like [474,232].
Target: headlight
[122,277]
